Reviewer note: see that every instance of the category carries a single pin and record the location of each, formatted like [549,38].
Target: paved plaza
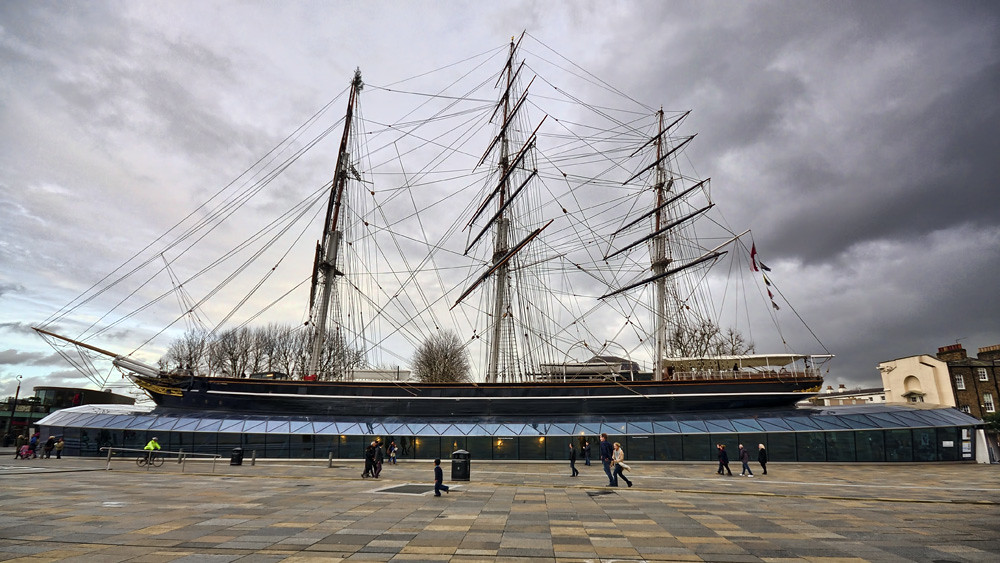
[74,510]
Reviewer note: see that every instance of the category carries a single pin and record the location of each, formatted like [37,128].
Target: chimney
[951,353]
[842,388]
[829,388]
[990,352]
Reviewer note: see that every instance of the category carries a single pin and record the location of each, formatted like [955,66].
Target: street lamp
[13,406]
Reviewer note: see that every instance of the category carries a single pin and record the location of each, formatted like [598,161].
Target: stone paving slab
[75,510]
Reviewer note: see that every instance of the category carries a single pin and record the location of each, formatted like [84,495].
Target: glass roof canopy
[803,419]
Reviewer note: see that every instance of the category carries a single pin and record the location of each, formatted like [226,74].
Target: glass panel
[640,427]
[88,442]
[840,446]
[948,444]
[254,442]
[325,427]
[278,444]
[530,447]
[801,423]
[203,443]
[253,426]
[811,446]
[135,439]
[516,429]
[858,421]
[348,429]
[924,447]
[724,426]
[830,423]
[639,448]
[450,444]
[428,447]
[698,447]
[772,424]
[141,422]
[208,425]
[747,425]
[439,429]
[327,444]
[186,424]
[751,440]
[666,427]
[898,445]
[229,440]
[613,428]
[465,429]
[302,446]
[668,447]
[870,445]
[489,429]
[231,425]
[301,427]
[692,426]
[353,446]
[781,447]
[277,427]
[557,448]
[120,421]
[505,447]
[592,429]
[885,420]
[562,429]
[479,447]
[405,444]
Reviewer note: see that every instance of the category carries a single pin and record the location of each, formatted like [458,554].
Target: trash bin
[459,465]
[237,457]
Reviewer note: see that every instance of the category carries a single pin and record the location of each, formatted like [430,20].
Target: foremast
[325,272]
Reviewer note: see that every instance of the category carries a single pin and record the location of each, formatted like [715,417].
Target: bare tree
[707,339]
[442,358]
[188,353]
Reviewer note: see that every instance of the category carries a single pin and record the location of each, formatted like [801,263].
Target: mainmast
[325,271]
[501,245]
[659,259]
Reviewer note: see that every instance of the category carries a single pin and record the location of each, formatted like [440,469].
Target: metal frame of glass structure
[870,433]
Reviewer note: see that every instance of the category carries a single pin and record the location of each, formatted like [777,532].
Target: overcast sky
[859,140]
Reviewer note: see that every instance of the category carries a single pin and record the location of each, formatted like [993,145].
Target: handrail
[181,455]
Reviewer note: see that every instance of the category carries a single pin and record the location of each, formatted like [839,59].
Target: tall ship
[564,267]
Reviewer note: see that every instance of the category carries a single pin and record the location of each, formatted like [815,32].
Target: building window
[959,382]
[988,402]
[982,374]
[966,409]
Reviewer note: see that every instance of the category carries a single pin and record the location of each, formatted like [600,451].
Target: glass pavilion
[869,433]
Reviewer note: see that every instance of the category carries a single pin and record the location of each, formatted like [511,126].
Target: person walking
[618,457]
[745,459]
[151,446]
[59,447]
[586,452]
[607,452]
[391,450]
[48,447]
[20,441]
[369,461]
[762,457]
[378,459]
[723,459]
[439,479]
[572,460]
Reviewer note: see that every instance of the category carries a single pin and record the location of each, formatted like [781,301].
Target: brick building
[974,380]
[950,378]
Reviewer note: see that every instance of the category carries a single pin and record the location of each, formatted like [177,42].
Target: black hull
[472,401]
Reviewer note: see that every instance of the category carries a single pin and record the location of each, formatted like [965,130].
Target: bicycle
[149,459]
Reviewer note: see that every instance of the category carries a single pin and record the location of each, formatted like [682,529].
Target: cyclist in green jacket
[152,446]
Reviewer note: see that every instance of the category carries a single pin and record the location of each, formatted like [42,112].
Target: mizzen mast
[325,271]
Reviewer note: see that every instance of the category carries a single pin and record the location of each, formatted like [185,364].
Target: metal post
[13,407]
[329,461]
[109,459]
[180,455]
[253,457]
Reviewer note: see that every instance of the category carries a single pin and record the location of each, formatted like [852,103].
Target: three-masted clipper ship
[525,373]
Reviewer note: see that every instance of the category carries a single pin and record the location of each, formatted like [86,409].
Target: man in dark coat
[369,461]
[762,457]
[572,460]
[586,452]
[723,459]
[745,460]
[607,452]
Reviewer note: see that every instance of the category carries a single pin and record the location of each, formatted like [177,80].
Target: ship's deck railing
[742,374]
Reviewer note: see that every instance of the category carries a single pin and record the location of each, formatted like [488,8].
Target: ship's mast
[501,245]
[659,259]
[325,271]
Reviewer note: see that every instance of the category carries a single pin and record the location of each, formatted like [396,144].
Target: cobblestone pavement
[73,509]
